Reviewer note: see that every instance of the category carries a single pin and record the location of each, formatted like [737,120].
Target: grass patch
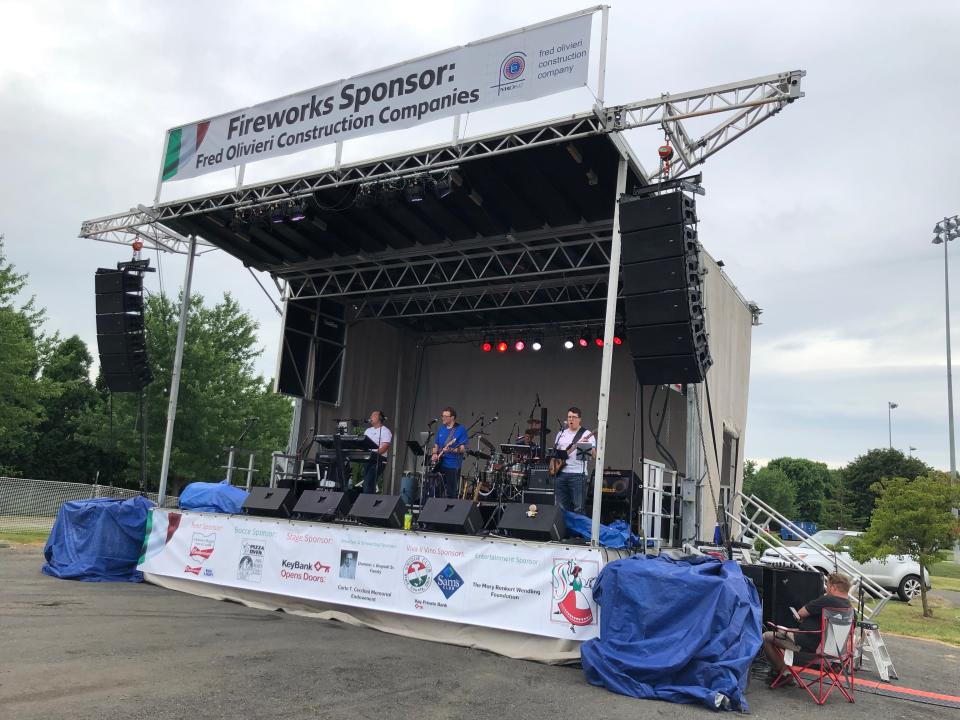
[907,619]
[946,569]
[32,537]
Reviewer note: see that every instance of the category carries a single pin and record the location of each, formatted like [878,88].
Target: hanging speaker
[120,330]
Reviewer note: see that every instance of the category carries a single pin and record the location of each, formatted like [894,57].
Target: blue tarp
[615,535]
[97,540]
[682,631]
[221,497]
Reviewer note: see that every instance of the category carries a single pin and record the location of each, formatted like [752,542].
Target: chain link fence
[30,506]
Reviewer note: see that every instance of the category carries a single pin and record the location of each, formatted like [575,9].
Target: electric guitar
[446,448]
[557,464]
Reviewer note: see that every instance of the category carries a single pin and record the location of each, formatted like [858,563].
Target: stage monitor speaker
[540,497]
[323,504]
[454,516]
[270,502]
[379,510]
[676,273]
[668,339]
[547,524]
[658,243]
[784,588]
[652,211]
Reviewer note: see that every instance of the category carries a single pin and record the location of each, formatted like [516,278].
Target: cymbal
[487,444]
[478,454]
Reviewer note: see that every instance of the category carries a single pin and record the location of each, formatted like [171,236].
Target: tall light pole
[890,408]
[912,448]
[943,232]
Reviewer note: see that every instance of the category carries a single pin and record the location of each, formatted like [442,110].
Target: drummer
[529,438]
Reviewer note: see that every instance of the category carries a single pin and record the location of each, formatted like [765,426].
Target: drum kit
[505,473]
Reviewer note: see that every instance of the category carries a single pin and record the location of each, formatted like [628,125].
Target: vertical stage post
[175,374]
[602,77]
[606,366]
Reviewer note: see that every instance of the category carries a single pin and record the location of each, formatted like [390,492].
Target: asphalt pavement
[98,650]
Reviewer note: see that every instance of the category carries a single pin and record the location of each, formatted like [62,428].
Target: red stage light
[487,346]
[583,341]
[519,345]
[617,340]
[598,341]
[501,346]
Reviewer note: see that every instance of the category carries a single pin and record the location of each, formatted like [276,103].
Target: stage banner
[541,589]
[509,68]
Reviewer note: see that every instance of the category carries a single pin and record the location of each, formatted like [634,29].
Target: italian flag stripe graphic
[182,145]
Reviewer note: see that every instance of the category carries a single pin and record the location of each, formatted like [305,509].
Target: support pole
[606,366]
[953,454]
[602,78]
[175,374]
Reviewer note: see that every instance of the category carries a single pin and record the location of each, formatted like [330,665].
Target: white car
[897,573]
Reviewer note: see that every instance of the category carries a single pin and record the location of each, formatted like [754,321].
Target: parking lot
[92,650]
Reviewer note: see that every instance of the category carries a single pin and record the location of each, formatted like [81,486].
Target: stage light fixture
[617,340]
[568,344]
[502,346]
[536,345]
[584,340]
[519,345]
[297,212]
[276,215]
[486,345]
[598,340]
[413,191]
[443,186]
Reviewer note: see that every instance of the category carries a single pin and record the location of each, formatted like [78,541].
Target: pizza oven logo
[511,72]
[417,574]
[448,580]
[201,548]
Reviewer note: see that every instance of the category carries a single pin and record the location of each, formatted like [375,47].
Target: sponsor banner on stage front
[509,68]
[541,589]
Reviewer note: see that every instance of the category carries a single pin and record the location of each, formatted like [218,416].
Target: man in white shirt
[572,478]
[381,435]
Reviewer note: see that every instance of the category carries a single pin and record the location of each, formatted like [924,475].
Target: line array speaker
[663,289]
[120,332]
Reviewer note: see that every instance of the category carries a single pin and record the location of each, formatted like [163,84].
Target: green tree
[22,349]
[838,508]
[772,485]
[810,480]
[749,471]
[871,468]
[912,517]
[219,391]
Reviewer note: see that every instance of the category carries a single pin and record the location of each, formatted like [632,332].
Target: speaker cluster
[663,289]
[120,331]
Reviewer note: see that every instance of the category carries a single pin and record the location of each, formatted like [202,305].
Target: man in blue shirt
[450,449]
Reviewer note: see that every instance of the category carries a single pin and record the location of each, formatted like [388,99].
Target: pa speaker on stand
[663,288]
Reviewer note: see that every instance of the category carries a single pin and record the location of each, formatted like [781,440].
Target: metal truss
[750,102]
[557,291]
[509,257]
[755,100]
[525,332]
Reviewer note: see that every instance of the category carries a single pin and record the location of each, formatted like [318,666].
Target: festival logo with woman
[572,594]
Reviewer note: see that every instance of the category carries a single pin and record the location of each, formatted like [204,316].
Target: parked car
[897,573]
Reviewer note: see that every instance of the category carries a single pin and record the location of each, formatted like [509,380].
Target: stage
[522,599]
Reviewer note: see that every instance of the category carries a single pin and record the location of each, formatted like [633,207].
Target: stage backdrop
[536,588]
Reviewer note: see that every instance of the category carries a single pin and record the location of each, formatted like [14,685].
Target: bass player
[571,476]
[449,451]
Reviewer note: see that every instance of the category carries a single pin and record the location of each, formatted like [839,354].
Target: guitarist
[571,480]
[450,449]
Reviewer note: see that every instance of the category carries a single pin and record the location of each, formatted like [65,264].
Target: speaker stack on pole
[120,333]
[663,289]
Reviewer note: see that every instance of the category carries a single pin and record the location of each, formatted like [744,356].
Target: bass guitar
[448,447]
[557,463]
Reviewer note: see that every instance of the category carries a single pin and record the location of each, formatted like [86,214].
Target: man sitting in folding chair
[819,654]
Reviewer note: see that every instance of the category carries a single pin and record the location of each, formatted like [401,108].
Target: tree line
[58,422]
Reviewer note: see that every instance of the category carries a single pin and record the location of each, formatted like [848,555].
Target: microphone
[496,417]
[432,422]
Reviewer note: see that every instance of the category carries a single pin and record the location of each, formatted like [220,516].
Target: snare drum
[517,475]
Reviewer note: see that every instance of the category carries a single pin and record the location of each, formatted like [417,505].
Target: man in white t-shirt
[381,435]
[572,478]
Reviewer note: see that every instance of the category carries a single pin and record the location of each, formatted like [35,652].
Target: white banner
[522,65]
[541,589]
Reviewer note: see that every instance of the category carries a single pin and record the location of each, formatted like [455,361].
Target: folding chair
[832,662]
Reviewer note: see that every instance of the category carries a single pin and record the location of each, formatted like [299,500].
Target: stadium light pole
[943,232]
[890,408]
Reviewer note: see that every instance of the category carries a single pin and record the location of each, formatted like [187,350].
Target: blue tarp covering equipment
[684,631]
[615,535]
[97,540]
[221,497]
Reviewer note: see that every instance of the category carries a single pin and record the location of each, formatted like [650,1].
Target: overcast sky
[823,215]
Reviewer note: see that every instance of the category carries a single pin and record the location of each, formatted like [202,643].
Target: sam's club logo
[448,580]
[511,72]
